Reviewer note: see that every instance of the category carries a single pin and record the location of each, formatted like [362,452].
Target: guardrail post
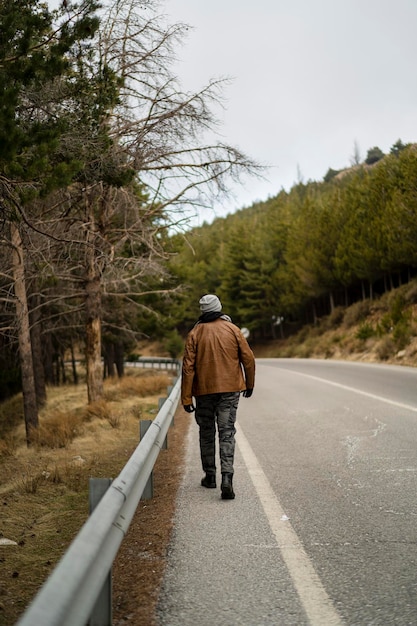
[102,611]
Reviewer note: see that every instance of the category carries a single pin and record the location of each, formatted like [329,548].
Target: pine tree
[33,57]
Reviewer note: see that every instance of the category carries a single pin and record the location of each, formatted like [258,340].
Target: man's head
[210,304]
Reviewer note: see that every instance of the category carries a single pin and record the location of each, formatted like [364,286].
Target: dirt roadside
[140,564]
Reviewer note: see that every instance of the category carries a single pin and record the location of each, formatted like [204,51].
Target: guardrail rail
[68,596]
[156,362]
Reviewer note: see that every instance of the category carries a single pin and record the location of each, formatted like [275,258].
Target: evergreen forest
[288,261]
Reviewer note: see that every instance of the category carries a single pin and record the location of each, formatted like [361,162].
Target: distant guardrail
[69,595]
[157,362]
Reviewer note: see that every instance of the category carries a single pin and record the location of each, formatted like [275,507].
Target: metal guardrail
[157,362]
[69,595]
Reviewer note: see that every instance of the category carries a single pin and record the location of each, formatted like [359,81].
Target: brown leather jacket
[214,355]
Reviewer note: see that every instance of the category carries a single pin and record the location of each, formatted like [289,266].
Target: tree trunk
[93,340]
[93,312]
[109,360]
[36,339]
[74,365]
[119,359]
[62,363]
[25,347]
[57,367]
[391,281]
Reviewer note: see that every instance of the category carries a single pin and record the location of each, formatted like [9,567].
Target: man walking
[217,365]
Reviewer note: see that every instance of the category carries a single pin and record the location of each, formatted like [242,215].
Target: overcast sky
[310,79]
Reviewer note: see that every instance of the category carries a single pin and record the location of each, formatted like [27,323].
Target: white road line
[409,407]
[312,594]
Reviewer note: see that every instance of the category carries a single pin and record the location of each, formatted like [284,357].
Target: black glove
[247,393]
[189,408]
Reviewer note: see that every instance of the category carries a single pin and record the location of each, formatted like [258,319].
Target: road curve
[323,528]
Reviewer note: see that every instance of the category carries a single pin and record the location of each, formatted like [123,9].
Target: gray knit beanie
[210,304]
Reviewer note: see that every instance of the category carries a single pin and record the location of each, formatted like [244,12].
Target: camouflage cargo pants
[217,408]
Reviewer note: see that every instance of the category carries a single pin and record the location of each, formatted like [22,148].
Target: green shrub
[398,322]
[174,344]
[398,312]
[365,331]
[402,333]
[384,325]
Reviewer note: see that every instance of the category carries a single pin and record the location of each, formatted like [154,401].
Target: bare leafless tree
[158,134]
[143,158]
[163,129]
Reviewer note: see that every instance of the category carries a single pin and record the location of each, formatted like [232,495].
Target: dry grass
[58,431]
[44,489]
[141,383]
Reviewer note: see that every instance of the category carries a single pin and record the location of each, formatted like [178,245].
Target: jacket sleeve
[188,370]
[247,359]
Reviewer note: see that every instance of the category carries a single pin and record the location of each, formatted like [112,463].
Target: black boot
[227,487]
[209,481]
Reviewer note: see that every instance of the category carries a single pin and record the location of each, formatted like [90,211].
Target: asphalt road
[323,529]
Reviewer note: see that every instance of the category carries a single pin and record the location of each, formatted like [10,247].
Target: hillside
[300,254]
[382,330]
